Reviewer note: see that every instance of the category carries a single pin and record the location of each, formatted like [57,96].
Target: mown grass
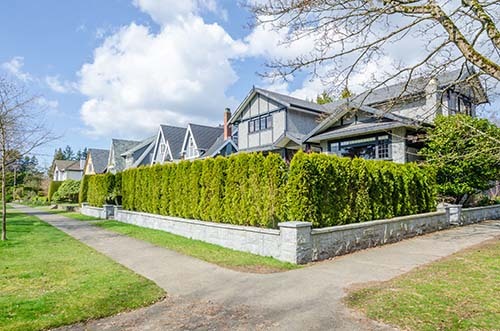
[461,292]
[224,257]
[221,256]
[48,279]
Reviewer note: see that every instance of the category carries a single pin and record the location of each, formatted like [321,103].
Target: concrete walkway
[303,299]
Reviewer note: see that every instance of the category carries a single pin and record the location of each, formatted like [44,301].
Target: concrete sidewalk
[303,299]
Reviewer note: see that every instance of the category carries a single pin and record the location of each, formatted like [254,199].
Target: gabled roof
[416,86]
[68,165]
[99,159]
[282,99]
[175,137]
[118,147]
[346,106]
[356,130]
[138,146]
[218,145]
[205,136]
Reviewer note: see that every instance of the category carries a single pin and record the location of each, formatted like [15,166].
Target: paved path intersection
[303,299]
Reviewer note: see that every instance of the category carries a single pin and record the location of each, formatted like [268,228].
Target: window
[191,150]
[260,123]
[378,147]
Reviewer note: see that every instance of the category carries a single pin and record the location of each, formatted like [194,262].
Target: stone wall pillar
[109,211]
[116,211]
[295,242]
[453,213]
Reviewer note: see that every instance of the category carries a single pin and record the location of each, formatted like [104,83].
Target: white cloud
[139,79]
[167,11]
[15,66]
[56,85]
[51,105]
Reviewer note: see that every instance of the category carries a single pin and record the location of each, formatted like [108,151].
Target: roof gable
[99,159]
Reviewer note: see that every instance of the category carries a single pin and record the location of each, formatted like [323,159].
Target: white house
[64,170]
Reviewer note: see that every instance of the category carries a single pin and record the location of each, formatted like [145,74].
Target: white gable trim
[143,155]
[189,134]
[228,141]
[253,93]
[157,144]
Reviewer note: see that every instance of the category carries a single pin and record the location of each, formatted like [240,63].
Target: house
[168,144]
[140,154]
[116,162]
[200,139]
[96,161]
[387,123]
[68,169]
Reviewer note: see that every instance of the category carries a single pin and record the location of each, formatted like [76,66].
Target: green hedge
[53,187]
[84,187]
[329,190]
[243,189]
[100,189]
[67,192]
[257,190]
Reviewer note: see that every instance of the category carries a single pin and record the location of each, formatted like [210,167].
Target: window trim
[255,124]
[378,140]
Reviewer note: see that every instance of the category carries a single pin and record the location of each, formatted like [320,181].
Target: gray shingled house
[116,162]
[168,144]
[96,162]
[374,125]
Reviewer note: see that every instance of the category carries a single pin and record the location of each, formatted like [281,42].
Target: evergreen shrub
[257,190]
[84,187]
[53,186]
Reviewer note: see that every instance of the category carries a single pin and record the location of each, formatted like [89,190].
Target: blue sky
[118,68]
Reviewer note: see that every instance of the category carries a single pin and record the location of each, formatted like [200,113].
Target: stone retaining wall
[297,242]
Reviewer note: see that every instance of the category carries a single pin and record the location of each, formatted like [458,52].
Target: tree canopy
[466,154]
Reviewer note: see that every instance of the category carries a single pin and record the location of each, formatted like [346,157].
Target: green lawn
[48,279]
[221,256]
[461,292]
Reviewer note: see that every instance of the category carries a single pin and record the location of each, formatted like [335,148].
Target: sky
[119,68]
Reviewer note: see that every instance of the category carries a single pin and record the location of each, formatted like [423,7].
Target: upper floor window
[191,149]
[260,123]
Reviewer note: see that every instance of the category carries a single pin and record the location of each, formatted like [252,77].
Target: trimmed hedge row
[244,189]
[329,190]
[100,189]
[257,190]
[53,187]
[84,187]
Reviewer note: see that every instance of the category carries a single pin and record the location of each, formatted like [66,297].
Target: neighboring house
[140,154]
[96,162]
[375,125]
[199,139]
[64,170]
[116,162]
[168,144]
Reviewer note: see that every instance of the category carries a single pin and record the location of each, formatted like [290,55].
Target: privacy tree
[465,152]
[257,190]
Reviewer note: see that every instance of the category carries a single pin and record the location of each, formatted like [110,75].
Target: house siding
[259,106]
[300,122]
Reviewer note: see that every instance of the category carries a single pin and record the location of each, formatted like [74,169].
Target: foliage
[84,187]
[257,190]
[68,191]
[53,187]
[51,279]
[100,189]
[329,190]
[323,98]
[466,154]
[243,189]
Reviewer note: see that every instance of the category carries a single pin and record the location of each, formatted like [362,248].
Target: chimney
[227,128]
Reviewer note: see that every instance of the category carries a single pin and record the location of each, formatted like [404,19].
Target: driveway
[302,299]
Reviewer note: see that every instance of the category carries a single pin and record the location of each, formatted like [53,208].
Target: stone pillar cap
[294,224]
